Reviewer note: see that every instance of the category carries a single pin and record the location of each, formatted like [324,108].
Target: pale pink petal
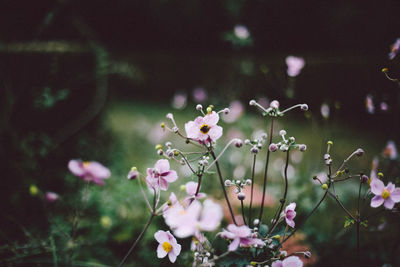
[234,245]
[151,182]
[215,132]
[389,203]
[211,216]
[163,184]
[191,188]
[277,264]
[227,234]
[376,201]
[161,236]
[291,206]
[292,261]
[172,256]
[185,230]
[290,222]
[377,186]
[97,170]
[395,195]
[149,171]
[202,137]
[162,165]
[192,130]
[170,176]
[199,121]
[161,253]
[177,249]
[240,231]
[173,198]
[97,181]
[211,119]
[76,167]
[390,187]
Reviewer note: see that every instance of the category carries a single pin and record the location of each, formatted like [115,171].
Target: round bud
[160,152]
[325,186]
[196,254]
[133,174]
[246,141]
[277,237]
[255,229]
[282,132]
[304,107]
[182,187]
[380,175]
[384,70]
[254,150]
[248,182]
[327,156]
[238,143]
[241,196]
[176,152]
[199,107]
[162,125]
[169,153]
[292,139]
[283,253]
[274,104]
[328,162]
[169,116]
[237,182]
[307,254]
[273,147]
[228,183]
[208,254]
[226,111]
[159,146]
[284,148]
[236,190]
[330,143]
[168,144]
[252,102]
[302,147]
[256,221]
[315,177]
[209,110]
[364,179]
[359,152]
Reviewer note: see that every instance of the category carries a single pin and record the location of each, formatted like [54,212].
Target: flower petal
[76,167]
[161,253]
[192,130]
[211,119]
[377,186]
[162,165]
[215,132]
[172,256]
[199,121]
[390,187]
[161,236]
[376,201]
[277,264]
[211,216]
[177,249]
[170,176]
[97,170]
[234,245]
[389,203]
[292,261]
[191,188]
[163,184]
[395,195]
[290,222]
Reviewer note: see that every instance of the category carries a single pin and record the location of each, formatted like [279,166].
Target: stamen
[385,193]
[204,128]
[167,247]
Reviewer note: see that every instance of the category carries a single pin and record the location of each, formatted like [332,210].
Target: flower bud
[264,136]
[327,156]
[254,150]
[170,153]
[359,152]
[209,109]
[133,173]
[228,182]
[241,196]
[248,182]
[302,147]
[325,186]
[256,221]
[380,175]
[282,132]
[160,152]
[169,116]
[284,148]
[236,190]
[168,144]
[304,107]
[274,104]
[33,190]
[162,125]
[292,139]
[51,197]
[199,107]
[364,179]
[384,70]
[252,102]
[176,152]
[277,237]
[330,143]
[175,129]
[182,187]
[226,111]
[246,141]
[307,254]
[238,143]
[159,146]
[273,147]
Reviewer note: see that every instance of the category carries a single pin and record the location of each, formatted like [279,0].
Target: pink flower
[240,235]
[241,32]
[167,245]
[191,188]
[292,261]
[295,64]
[199,95]
[160,175]
[387,196]
[290,214]
[236,110]
[390,150]
[204,129]
[188,221]
[51,197]
[394,49]
[369,104]
[90,171]
[325,111]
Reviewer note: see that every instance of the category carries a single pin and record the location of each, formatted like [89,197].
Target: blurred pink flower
[160,175]
[90,171]
[199,95]
[167,245]
[325,111]
[394,49]
[384,106]
[179,100]
[294,64]
[390,150]
[236,110]
[51,197]
[387,196]
[204,129]
[290,214]
[241,32]
[172,201]
[188,221]
[292,261]
[191,188]
[240,235]
[369,104]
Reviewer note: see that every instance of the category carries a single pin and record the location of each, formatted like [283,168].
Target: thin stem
[358,224]
[198,185]
[144,194]
[223,186]
[293,107]
[244,218]
[266,171]
[137,240]
[220,154]
[283,201]
[342,206]
[252,186]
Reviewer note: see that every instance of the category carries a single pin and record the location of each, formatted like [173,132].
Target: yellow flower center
[167,247]
[204,128]
[385,194]
[86,164]
[369,181]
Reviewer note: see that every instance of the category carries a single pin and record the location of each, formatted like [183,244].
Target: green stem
[252,186]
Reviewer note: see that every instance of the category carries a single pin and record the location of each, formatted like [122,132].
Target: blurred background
[93,80]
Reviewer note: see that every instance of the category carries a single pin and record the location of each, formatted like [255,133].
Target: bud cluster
[286,144]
